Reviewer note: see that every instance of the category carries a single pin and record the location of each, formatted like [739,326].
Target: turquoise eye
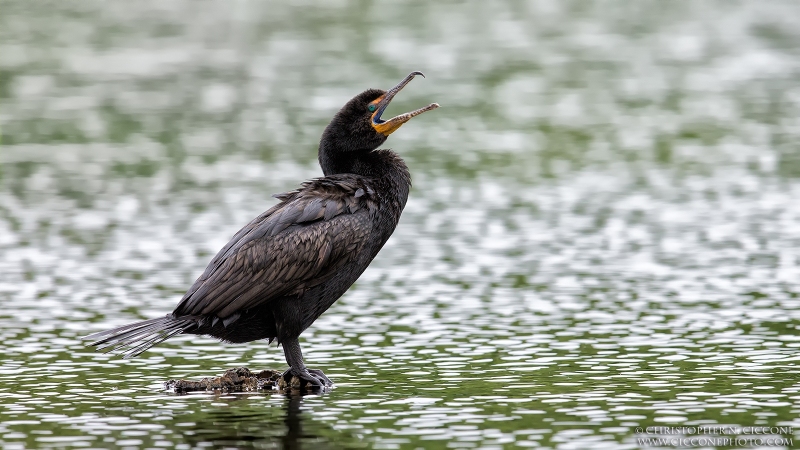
[372,108]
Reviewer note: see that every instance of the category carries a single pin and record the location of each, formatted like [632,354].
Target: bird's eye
[372,108]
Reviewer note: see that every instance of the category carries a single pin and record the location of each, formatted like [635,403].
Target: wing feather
[297,244]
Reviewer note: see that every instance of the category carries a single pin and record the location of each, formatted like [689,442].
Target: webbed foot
[313,377]
[299,376]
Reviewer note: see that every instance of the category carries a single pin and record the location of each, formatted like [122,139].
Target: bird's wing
[297,244]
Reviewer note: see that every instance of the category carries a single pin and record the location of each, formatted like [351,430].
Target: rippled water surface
[603,234]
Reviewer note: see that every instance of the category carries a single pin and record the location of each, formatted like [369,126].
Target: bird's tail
[133,339]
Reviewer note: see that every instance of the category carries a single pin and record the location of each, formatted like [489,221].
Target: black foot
[314,377]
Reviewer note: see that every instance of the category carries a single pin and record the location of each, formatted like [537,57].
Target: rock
[240,379]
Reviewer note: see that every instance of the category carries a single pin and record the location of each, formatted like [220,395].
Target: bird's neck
[383,165]
[333,161]
[375,163]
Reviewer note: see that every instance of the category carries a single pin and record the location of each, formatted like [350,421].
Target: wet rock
[240,379]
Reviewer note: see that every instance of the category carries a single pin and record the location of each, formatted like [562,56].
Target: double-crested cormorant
[281,271]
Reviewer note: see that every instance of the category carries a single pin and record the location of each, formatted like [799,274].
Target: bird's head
[359,125]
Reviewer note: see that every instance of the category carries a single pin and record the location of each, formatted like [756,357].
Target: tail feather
[129,337]
[152,340]
[135,338]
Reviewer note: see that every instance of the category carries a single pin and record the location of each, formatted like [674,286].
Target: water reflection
[284,426]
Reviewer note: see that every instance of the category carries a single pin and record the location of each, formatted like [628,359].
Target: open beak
[387,127]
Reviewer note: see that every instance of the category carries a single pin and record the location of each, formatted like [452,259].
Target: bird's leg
[294,357]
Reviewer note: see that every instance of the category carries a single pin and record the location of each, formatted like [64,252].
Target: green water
[603,234]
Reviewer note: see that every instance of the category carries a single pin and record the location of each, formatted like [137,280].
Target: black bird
[280,272]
